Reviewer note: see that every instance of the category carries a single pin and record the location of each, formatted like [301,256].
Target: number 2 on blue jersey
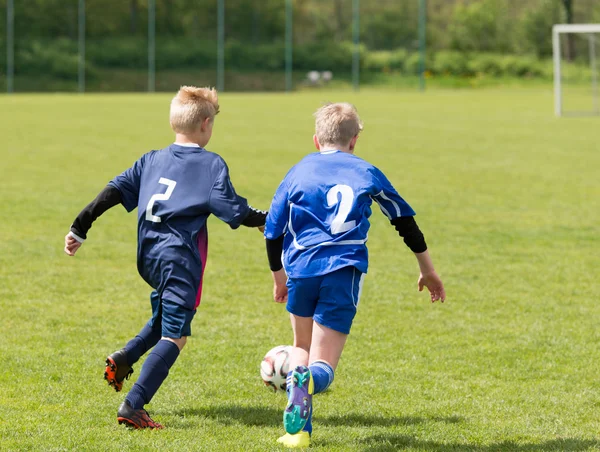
[160,197]
[339,223]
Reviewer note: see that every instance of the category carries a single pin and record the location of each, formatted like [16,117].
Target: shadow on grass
[358,420]
[398,442]
[271,417]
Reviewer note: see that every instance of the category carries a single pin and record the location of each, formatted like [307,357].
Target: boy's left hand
[434,284]
[280,290]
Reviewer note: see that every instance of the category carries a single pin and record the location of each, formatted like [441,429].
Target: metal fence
[277,45]
[78,57]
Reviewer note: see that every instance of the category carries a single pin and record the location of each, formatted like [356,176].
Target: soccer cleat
[301,439]
[135,418]
[299,405]
[117,369]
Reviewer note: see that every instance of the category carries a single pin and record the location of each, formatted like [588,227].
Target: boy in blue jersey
[319,219]
[175,190]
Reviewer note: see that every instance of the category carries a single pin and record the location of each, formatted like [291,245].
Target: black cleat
[135,418]
[117,369]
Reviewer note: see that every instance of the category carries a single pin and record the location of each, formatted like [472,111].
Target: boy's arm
[409,230]
[225,203]
[429,278]
[275,230]
[413,237]
[274,250]
[401,215]
[107,198]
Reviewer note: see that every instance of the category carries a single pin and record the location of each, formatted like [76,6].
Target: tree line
[498,26]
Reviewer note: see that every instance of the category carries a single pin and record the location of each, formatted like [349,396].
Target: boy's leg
[303,295]
[303,331]
[334,313]
[150,334]
[340,294]
[326,348]
[175,329]
[119,364]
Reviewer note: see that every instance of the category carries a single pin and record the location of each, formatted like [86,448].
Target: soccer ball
[275,367]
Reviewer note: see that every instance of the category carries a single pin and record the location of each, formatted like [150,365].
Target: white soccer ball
[275,367]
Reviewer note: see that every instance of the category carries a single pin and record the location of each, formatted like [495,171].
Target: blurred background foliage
[465,38]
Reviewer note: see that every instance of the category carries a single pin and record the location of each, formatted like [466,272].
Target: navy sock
[144,341]
[322,374]
[154,371]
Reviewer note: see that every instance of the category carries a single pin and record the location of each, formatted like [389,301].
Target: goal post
[592,31]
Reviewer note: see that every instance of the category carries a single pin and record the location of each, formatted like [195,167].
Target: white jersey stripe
[394,203]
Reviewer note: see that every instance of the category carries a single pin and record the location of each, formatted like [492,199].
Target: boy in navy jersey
[175,190]
[319,218]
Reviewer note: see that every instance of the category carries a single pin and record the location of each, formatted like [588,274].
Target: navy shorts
[331,299]
[173,319]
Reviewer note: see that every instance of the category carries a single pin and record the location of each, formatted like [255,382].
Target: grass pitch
[508,198]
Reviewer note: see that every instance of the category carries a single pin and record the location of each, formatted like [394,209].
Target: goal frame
[557,31]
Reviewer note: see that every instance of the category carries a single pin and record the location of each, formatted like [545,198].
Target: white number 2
[339,223]
[160,197]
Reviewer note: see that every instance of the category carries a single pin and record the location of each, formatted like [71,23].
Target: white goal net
[576,49]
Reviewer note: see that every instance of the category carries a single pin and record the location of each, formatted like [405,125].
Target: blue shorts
[331,299]
[173,319]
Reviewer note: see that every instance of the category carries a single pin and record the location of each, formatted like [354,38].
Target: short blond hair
[191,106]
[337,124]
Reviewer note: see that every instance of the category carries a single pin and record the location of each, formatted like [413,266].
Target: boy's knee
[180,342]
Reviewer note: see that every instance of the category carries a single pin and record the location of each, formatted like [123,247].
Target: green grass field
[508,198]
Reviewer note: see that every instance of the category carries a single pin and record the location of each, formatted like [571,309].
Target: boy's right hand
[71,244]
[280,290]
[434,284]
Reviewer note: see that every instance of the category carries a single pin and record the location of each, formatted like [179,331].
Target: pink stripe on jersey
[202,243]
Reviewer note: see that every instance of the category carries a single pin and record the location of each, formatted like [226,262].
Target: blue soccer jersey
[323,206]
[175,190]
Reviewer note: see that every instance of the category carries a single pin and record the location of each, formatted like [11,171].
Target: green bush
[330,56]
[243,56]
[520,66]
[117,53]
[484,63]
[450,63]
[58,58]
[385,60]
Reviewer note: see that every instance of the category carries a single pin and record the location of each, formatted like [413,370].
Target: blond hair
[191,106]
[337,124]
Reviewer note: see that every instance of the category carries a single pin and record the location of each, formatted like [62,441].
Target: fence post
[10,46]
[81,65]
[356,48]
[151,46]
[289,42]
[220,45]
[422,42]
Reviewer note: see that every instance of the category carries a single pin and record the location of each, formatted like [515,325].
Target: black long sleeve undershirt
[107,198]
[413,237]
[255,218]
[274,250]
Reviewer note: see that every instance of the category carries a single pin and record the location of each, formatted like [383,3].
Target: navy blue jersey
[323,206]
[175,190]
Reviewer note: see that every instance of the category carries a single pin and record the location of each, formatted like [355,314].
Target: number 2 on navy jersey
[339,223]
[159,197]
